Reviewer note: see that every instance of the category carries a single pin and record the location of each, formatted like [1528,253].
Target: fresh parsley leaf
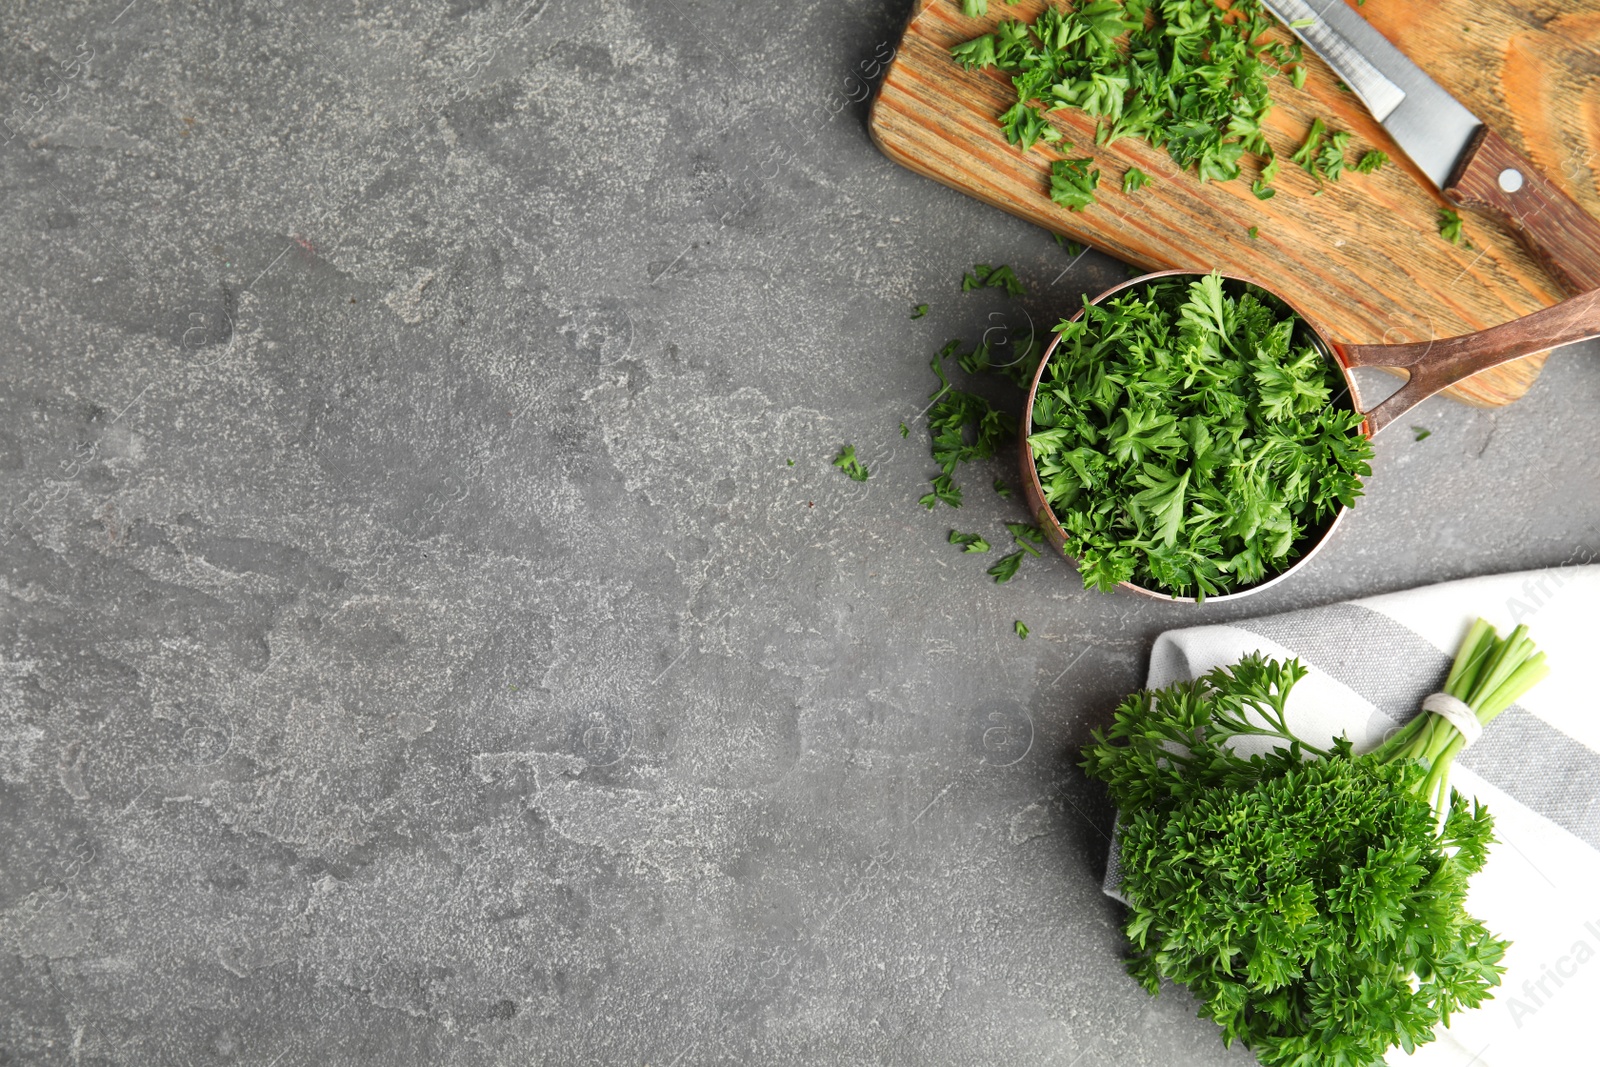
[945,491]
[846,461]
[1421,433]
[1025,126]
[1006,569]
[974,9]
[1254,232]
[1021,628]
[1310,149]
[919,311]
[1330,161]
[1073,182]
[1002,488]
[977,53]
[1268,173]
[905,431]
[1450,225]
[1134,179]
[1074,249]
[1371,160]
[1298,76]
[984,276]
[969,542]
[1026,533]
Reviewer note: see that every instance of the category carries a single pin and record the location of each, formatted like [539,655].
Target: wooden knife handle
[1564,237]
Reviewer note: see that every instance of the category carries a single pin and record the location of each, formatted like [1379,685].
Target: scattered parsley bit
[1254,232]
[1019,370]
[1307,153]
[919,311]
[1074,249]
[1371,161]
[1073,182]
[1298,76]
[791,463]
[1029,538]
[846,461]
[1021,628]
[1450,226]
[1186,442]
[1268,173]
[1134,179]
[1002,489]
[974,9]
[905,431]
[1422,433]
[964,427]
[969,542]
[984,276]
[945,491]
[1006,569]
[1331,159]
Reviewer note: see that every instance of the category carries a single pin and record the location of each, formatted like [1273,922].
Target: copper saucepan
[1429,365]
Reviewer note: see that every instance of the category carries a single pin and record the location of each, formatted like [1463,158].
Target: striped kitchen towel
[1537,767]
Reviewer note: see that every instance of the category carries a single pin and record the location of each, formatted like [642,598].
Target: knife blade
[1468,161]
[1424,120]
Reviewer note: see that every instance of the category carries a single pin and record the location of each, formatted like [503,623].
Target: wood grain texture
[1564,237]
[1365,257]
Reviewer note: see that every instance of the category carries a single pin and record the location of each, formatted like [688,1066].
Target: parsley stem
[1489,674]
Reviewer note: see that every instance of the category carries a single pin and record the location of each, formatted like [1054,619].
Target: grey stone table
[418,646]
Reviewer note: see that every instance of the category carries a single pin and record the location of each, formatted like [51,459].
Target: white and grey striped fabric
[1537,767]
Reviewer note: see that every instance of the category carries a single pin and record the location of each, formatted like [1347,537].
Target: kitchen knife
[1470,163]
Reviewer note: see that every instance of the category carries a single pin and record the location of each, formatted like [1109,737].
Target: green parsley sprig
[1371,161]
[1188,442]
[969,542]
[846,461]
[1073,182]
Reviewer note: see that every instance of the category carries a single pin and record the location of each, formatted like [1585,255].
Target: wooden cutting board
[1365,258]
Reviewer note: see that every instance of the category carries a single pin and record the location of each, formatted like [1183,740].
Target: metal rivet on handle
[1511,179]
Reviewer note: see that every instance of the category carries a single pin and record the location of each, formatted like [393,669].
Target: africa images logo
[1536,993]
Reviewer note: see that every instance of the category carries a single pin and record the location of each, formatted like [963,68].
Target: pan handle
[1434,365]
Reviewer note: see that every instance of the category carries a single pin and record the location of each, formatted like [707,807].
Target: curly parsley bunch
[1187,442]
[1312,900]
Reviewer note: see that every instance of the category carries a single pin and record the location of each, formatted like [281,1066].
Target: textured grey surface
[417,645]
